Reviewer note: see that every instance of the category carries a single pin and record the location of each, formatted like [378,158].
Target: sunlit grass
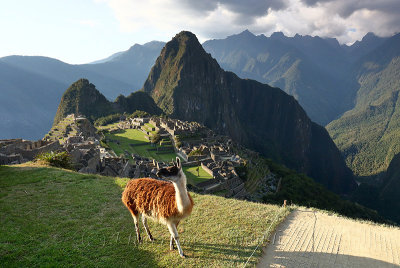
[133,136]
[54,217]
[194,177]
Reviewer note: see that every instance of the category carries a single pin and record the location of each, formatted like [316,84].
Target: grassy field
[53,217]
[191,174]
[134,136]
[109,126]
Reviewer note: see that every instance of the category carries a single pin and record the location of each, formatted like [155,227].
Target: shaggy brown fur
[167,202]
[153,198]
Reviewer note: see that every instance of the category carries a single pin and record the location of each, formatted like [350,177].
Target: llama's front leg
[146,227]
[171,242]
[174,233]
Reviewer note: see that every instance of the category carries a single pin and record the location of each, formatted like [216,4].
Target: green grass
[109,126]
[134,136]
[53,217]
[148,127]
[191,174]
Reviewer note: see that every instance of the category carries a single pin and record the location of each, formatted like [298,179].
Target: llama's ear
[178,162]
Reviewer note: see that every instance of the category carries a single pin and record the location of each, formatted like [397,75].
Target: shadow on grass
[231,253]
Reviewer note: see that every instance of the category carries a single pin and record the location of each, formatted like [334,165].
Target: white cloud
[347,20]
[90,23]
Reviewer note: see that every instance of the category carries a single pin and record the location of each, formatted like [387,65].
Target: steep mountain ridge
[187,83]
[82,98]
[367,44]
[311,69]
[368,134]
[390,191]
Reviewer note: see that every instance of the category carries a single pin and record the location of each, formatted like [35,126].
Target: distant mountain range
[312,69]
[354,85]
[31,87]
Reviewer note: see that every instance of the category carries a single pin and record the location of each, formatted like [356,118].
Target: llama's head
[172,173]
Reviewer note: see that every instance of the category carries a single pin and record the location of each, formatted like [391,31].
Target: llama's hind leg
[146,227]
[171,243]
[174,233]
[136,221]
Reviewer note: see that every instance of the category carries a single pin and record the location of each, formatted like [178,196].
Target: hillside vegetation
[369,134]
[300,189]
[54,217]
[384,197]
[82,98]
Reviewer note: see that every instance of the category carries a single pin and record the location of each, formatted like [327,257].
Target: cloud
[90,23]
[346,20]
[345,8]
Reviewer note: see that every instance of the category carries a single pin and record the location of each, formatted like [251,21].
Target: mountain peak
[185,35]
[369,36]
[278,35]
[188,84]
[181,42]
[246,33]
[82,97]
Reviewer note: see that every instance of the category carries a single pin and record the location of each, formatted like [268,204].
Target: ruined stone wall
[11,148]
[209,171]
[30,154]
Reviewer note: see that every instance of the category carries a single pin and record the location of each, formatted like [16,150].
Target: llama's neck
[181,194]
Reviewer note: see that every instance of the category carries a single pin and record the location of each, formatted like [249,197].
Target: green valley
[368,135]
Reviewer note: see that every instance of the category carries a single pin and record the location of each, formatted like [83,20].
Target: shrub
[155,138]
[197,152]
[55,159]
[140,114]
[105,120]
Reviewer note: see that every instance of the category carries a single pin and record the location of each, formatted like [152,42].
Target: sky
[82,31]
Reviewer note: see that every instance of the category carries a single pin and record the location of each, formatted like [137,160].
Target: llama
[167,202]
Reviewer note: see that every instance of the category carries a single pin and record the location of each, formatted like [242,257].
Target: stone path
[316,239]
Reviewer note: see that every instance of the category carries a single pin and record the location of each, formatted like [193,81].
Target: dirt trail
[315,239]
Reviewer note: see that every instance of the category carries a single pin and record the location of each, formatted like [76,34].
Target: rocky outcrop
[82,98]
[187,83]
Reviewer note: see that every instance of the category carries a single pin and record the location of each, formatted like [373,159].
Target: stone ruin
[17,151]
[218,158]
